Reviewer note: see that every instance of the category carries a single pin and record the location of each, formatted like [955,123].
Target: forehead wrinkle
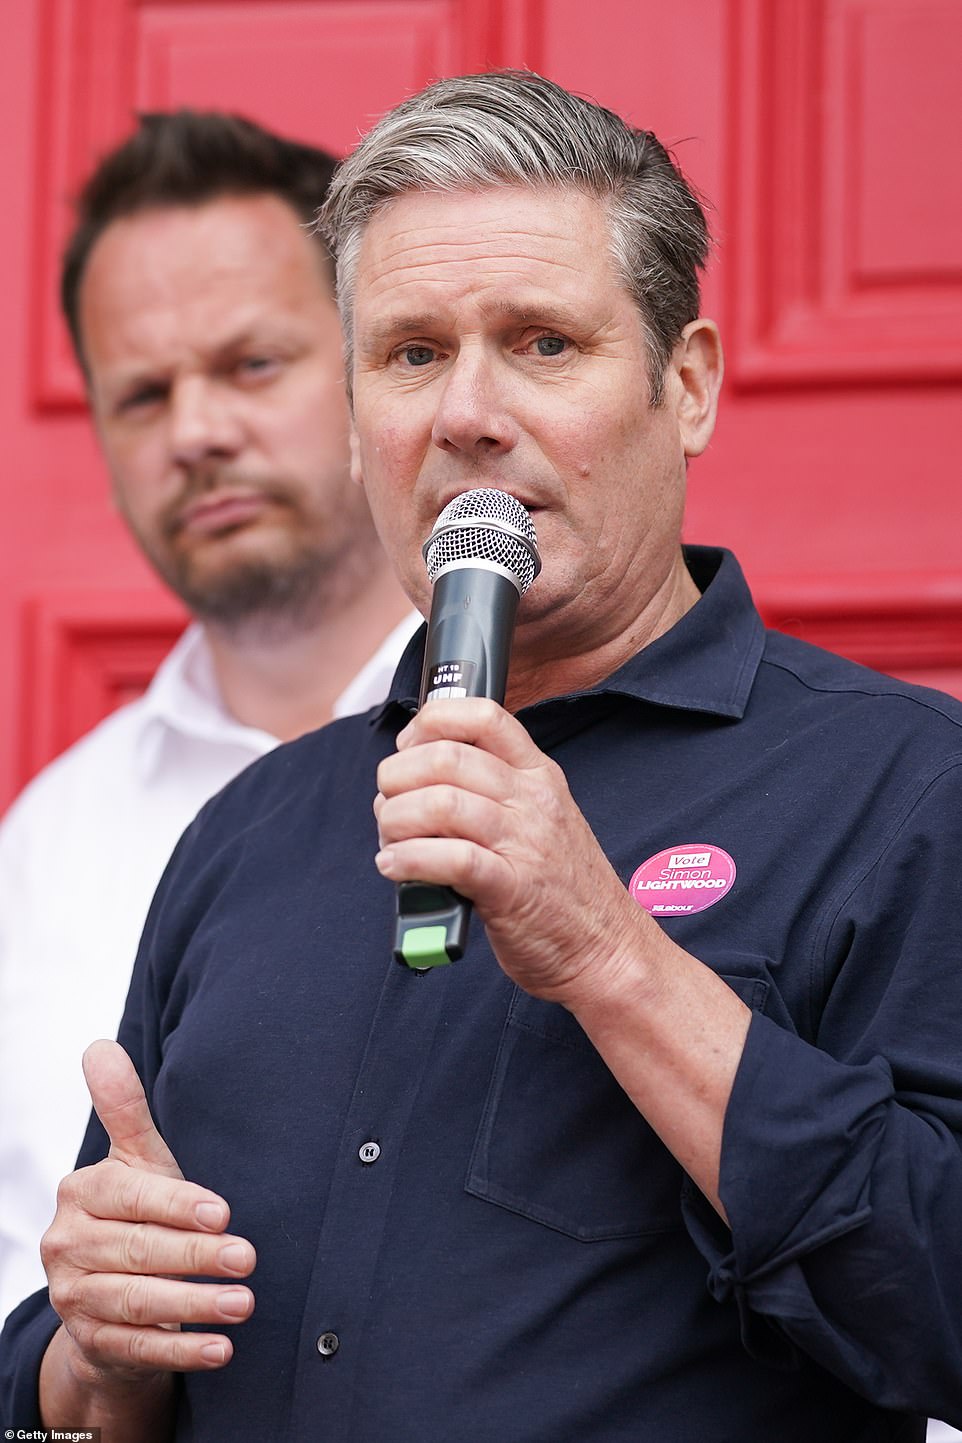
[450,219]
[410,250]
[429,256]
[453,266]
[537,293]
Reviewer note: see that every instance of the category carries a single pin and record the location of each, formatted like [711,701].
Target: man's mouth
[220,511]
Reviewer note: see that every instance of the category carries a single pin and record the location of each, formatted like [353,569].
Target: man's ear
[699,365]
[357,474]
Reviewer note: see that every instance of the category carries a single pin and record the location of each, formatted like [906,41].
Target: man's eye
[256,365]
[144,396]
[418,355]
[551,345]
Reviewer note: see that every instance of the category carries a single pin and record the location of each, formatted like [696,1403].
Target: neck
[284,675]
[538,672]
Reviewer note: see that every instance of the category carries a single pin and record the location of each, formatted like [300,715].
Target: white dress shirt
[81,852]
[941,1433]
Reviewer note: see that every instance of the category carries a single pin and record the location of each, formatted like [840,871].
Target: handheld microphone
[481,556]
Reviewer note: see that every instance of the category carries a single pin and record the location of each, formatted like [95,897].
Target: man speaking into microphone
[673,1150]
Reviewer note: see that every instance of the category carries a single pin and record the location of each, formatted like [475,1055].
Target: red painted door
[823,131]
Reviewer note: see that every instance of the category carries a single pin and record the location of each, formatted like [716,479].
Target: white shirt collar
[183,698]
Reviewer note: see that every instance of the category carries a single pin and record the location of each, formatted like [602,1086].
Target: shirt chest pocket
[560,1143]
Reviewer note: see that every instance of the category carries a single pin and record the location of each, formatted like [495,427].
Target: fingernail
[210,1215]
[214,1353]
[235,1304]
[235,1258]
[384,860]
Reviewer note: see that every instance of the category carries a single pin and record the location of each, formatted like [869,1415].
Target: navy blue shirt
[464,1229]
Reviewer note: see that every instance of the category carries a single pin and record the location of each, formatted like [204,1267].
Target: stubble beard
[282,584]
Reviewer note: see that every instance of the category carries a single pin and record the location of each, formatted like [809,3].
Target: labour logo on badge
[682,880]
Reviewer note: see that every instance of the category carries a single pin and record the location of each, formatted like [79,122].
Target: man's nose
[474,414]
[204,421]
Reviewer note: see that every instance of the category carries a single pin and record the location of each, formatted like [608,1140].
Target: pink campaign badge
[681,880]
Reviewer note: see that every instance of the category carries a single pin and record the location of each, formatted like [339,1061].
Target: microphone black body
[474,562]
[469,634]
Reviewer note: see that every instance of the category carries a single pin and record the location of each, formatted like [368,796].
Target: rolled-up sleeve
[841,1168]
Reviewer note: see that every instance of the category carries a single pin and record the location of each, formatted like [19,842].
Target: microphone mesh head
[484,525]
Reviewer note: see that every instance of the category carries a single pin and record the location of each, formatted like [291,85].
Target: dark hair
[187,157]
[512,127]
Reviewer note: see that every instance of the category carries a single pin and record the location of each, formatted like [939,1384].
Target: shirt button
[328,1344]
[369,1151]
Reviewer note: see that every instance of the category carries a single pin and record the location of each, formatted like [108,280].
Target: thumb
[118,1098]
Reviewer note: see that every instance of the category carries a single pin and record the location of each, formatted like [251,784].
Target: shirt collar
[705,663]
[183,699]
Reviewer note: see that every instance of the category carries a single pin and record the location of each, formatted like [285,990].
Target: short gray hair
[512,127]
